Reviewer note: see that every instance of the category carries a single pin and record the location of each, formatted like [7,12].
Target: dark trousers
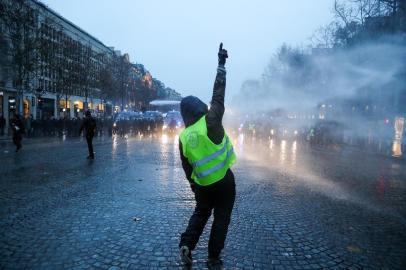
[89,140]
[219,197]
[17,138]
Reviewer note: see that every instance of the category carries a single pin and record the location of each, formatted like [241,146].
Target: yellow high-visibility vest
[210,161]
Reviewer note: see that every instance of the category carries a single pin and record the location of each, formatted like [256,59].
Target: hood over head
[192,109]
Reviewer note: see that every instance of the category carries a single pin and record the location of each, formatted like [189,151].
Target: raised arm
[215,115]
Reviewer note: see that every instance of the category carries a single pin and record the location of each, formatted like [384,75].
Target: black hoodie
[192,109]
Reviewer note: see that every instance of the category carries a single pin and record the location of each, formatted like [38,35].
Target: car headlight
[164,127]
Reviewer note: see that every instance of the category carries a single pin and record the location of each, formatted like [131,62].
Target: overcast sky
[177,40]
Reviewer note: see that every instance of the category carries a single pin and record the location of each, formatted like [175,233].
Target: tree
[4,59]
[354,17]
[324,36]
[359,10]
[122,67]
[84,69]
[65,64]
[106,81]
[58,58]
[22,35]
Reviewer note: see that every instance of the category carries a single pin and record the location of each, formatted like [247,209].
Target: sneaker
[215,263]
[185,255]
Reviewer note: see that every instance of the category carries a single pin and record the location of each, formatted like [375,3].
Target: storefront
[100,110]
[97,108]
[12,107]
[78,108]
[46,107]
[26,108]
[64,108]
[8,105]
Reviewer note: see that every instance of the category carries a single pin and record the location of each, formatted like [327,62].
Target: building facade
[51,68]
[60,76]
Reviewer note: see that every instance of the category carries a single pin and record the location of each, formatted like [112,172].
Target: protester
[207,155]
[89,126]
[18,130]
[2,125]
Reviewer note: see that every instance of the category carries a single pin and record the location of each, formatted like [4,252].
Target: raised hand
[222,54]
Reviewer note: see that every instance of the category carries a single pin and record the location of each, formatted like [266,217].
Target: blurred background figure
[2,125]
[17,128]
[89,126]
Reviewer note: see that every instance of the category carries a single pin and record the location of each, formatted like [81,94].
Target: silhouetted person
[160,124]
[207,156]
[110,126]
[17,127]
[172,125]
[89,126]
[2,125]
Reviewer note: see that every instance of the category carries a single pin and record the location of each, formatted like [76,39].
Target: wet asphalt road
[297,207]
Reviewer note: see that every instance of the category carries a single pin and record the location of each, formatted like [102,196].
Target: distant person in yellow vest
[207,155]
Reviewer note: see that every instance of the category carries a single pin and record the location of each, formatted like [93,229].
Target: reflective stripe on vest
[217,167]
[212,156]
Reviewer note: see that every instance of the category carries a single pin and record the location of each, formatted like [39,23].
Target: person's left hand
[222,54]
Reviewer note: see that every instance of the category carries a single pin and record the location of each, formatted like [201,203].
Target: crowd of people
[73,127]
[377,137]
[264,130]
[63,126]
[70,127]
[138,126]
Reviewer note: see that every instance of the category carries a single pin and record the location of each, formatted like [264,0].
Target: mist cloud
[299,80]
